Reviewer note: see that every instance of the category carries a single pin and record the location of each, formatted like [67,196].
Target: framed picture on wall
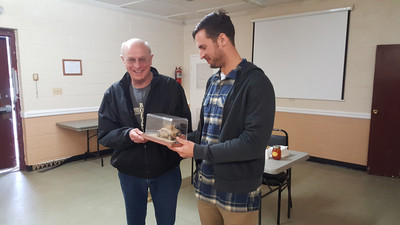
[72,67]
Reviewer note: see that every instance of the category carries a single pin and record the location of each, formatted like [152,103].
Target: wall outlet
[57,91]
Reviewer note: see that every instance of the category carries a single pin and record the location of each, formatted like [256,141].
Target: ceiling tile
[117,2]
[156,7]
[184,10]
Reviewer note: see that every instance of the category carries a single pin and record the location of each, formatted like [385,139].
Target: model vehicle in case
[163,128]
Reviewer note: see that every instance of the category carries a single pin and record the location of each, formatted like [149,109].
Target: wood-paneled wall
[335,138]
[44,141]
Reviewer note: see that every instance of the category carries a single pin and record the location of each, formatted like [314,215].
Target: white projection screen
[304,54]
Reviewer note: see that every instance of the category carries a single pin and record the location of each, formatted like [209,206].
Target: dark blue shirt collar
[232,74]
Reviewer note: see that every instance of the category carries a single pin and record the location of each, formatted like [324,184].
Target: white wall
[371,23]
[316,126]
[51,30]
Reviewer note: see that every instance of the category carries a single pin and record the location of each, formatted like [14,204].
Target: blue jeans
[164,192]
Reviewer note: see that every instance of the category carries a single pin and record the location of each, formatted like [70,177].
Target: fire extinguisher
[178,74]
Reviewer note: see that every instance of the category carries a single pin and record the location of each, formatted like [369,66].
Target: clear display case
[164,129]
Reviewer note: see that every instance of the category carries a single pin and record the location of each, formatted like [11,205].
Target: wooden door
[11,141]
[7,146]
[384,137]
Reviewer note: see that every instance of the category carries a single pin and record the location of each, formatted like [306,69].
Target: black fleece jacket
[116,119]
[247,121]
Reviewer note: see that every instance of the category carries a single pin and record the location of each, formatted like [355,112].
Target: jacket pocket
[128,160]
[239,170]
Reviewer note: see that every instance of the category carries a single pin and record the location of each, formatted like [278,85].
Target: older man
[142,165]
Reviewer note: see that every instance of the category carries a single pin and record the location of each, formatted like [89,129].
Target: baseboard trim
[338,163]
[88,156]
[46,166]
[43,167]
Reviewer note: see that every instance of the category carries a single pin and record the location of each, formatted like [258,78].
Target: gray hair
[129,42]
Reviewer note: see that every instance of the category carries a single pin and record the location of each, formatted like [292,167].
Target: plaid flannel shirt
[205,190]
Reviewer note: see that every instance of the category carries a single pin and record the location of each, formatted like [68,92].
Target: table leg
[87,153]
[289,186]
[279,204]
[87,144]
[98,149]
[259,212]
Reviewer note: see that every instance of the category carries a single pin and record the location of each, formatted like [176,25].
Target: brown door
[10,120]
[384,137]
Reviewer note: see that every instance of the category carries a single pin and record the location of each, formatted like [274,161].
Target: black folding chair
[277,182]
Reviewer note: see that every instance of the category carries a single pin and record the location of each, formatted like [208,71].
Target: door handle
[6,108]
[375,111]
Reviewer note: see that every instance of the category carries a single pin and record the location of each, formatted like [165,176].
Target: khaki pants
[210,214]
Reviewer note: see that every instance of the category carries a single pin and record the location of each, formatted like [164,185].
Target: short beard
[218,59]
